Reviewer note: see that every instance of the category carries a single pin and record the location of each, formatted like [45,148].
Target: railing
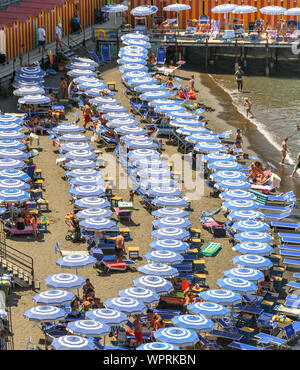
[10,338]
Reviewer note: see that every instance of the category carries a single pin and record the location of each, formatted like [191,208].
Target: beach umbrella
[64,281]
[240,205]
[198,323]
[72,342]
[84,60]
[150,163]
[139,144]
[241,286]
[237,194]
[92,202]
[245,215]
[45,313]
[147,296]
[83,172]
[144,10]
[13,154]
[81,164]
[159,269]
[132,60]
[135,49]
[17,84]
[83,79]
[13,184]
[34,99]
[54,297]
[262,249]
[170,233]
[156,346]
[164,192]
[196,138]
[244,9]
[208,309]
[76,146]
[10,118]
[81,72]
[205,147]
[29,77]
[272,10]
[128,137]
[35,70]
[149,87]
[138,154]
[176,7]
[181,114]
[192,130]
[142,81]
[119,122]
[13,195]
[88,328]
[66,129]
[178,336]
[170,202]
[154,182]
[157,284]
[144,44]
[76,261]
[14,175]
[11,126]
[92,85]
[223,8]
[105,100]
[29,90]
[169,221]
[182,122]
[154,172]
[166,257]
[80,154]
[126,130]
[80,65]
[252,261]
[127,305]
[151,95]
[129,67]
[95,92]
[111,108]
[293,11]
[245,273]
[94,212]
[165,109]
[107,316]
[162,102]
[97,224]
[251,225]
[135,36]
[11,134]
[135,74]
[218,157]
[87,180]
[170,212]
[114,8]
[251,236]
[233,184]
[12,144]
[73,138]
[228,175]
[7,163]
[225,165]
[170,245]
[221,296]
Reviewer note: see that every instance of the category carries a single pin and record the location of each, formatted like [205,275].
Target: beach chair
[105,53]
[210,344]
[161,56]
[277,216]
[245,347]
[210,249]
[224,325]
[285,198]
[95,57]
[276,208]
[285,225]
[226,335]
[190,30]
[291,248]
[290,333]
[291,254]
[293,284]
[286,240]
[289,235]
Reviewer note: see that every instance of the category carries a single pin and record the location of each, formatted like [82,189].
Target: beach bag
[219,232]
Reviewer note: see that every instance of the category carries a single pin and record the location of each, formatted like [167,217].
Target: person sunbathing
[191,94]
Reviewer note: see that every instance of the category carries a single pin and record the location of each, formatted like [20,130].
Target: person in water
[247,105]
[239,78]
[284,149]
[297,165]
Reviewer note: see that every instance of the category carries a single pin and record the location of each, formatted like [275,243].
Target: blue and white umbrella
[197,138]
[29,77]
[144,44]
[198,323]
[205,147]
[208,309]
[141,81]
[45,313]
[162,102]
[12,144]
[80,154]
[251,225]
[13,184]
[34,99]
[254,236]
[36,70]
[92,85]
[104,100]
[83,172]
[149,87]
[221,296]
[170,233]
[244,9]
[7,118]
[170,245]
[147,296]
[64,281]
[76,146]
[245,215]
[111,108]
[131,137]
[164,192]
[165,109]
[139,144]
[143,10]
[81,72]
[87,191]
[83,79]
[127,305]
[80,65]
[54,297]
[150,163]
[119,122]
[237,194]
[67,129]
[224,8]
[135,74]
[17,83]
[107,316]
[169,221]
[159,269]
[166,257]
[81,164]
[170,212]
[94,212]
[182,114]
[11,126]
[170,202]
[245,273]
[72,342]
[129,67]
[87,180]
[132,60]
[157,346]
[154,182]
[114,8]
[241,286]
[12,134]
[76,261]
[228,175]
[95,92]
[154,172]
[218,157]
[88,328]
[14,195]
[135,36]
[176,7]
[192,130]
[92,202]
[272,10]
[151,95]
[179,336]
[97,224]
[233,184]
[140,154]
[262,249]
[15,174]
[225,165]
[127,130]
[73,138]
[252,261]
[240,205]
[8,164]
[155,283]
[182,122]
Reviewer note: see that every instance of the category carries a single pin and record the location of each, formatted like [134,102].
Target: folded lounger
[245,347]
[210,249]
[277,208]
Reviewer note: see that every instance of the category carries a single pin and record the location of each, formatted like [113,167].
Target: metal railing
[10,339]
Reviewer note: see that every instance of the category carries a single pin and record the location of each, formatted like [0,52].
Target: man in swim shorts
[284,149]
[119,247]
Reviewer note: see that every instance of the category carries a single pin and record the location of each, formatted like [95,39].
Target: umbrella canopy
[132,137]
[88,328]
[208,309]
[198,323]
[76,146]
[73,137]
[8,118]
[92,202]
[139,144]
[29,77]
[12,144]
[13,184]
[166,257]
[35,70]
[83,172]
[170,233]
[151,163]
[14,174]
[76,261]
[157,284]
[149,87]
[244,9]
[80,154]
[127,130]
[81,65]
[138,154]
[11,126]
[225,165]
[252,261]
[170,202]
[172,212]
[151,95]
[181,114]
[223,8]
[237,194]
[111,108]
[192,130]
[144,44]
[120,122]
[129,67]
[292,11]
[105,100]
[147,296]
[114,8]
[161,102]
[92,85]
[251,225]
[164,192]
[245,215]
[240,204]
[251,236]
[245,273]
[241,286]
[107,316]
[170,221]
[182,122]
[81,72]
[170,245]
[65,129]
[8,164]
[13,195]
[141,81]
[272,10]
[81,164]
[156,346]
[154,172]
[176,7]
[97,224]
[159,269]
[204,147]
[179,336]
[154,182]
[233,184]
[94,212]
[196,138]
[135,36]
[64,281]
[144,10]
[84,60]
[83,79]
[45,313]
[221,296]
[96,91]
[29,90]
[228,175]
[17,83]
[54,297]
[218,157]
[262,249]
[34,99]
[127,305]
[87,190]
[72,342]
[11,134]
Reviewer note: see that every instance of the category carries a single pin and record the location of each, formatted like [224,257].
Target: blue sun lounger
[276,208]
[293,297]
[293,304]
[226,335]
[296,275]
[270,339]
[289,235]
[286,240]
[291,263]
[277,216]
[293,248]
[293,284]
[285,225]
[248,309]
[293,254]
[245,347]
[287,197]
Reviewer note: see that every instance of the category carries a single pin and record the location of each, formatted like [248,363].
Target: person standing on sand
[87,114]
[284,149]
[238,139]
[247,105]
[239,78]
[297,165]
[41,38]
[119,247]
[138,330]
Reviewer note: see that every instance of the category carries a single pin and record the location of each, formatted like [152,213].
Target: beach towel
[210,249]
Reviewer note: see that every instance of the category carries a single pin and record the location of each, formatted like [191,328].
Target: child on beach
[247,105]
[192,82]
